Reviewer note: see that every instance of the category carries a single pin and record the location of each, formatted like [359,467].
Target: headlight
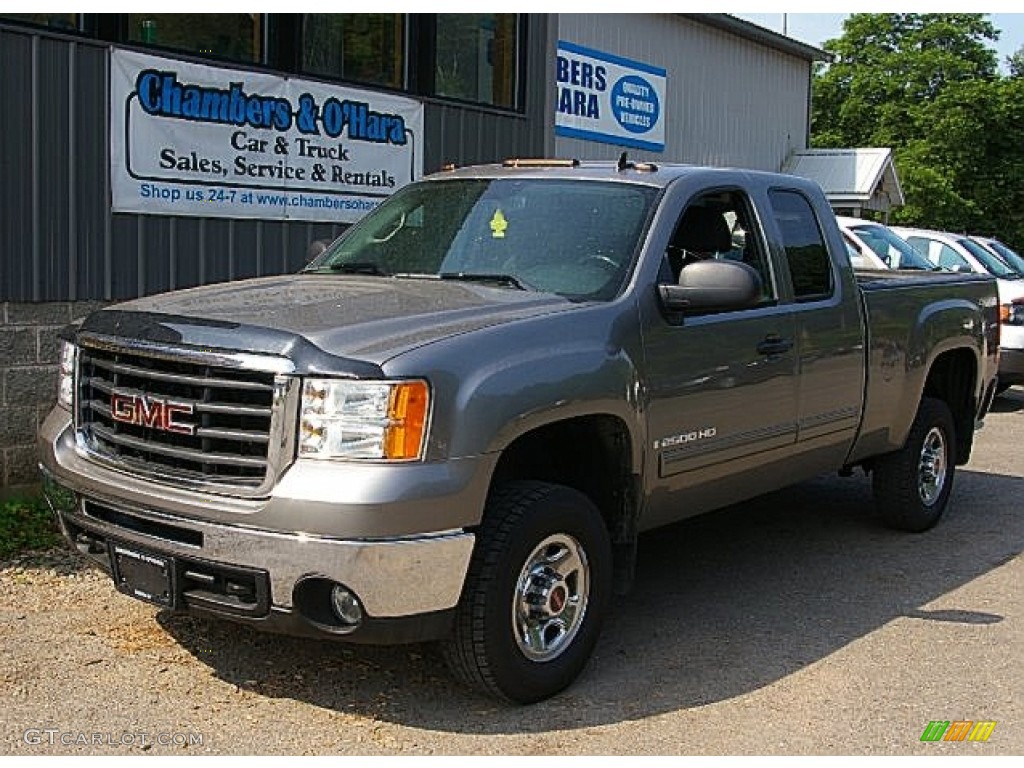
[343,419]
[66,375]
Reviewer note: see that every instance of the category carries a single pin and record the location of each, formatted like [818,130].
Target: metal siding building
[737,95]
[733,100]
[59,239]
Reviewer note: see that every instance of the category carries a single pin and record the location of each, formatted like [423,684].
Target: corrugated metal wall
[59,240]
[731,101]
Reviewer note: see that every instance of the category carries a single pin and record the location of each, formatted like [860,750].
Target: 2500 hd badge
[686,437]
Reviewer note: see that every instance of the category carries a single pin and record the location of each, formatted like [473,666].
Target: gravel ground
[790,625]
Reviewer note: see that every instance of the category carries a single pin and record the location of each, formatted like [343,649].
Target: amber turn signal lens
[407,417]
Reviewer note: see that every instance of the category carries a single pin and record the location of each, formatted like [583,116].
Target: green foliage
[887,65]
[928,86]
[26,524]
[1015,63]
[935,201]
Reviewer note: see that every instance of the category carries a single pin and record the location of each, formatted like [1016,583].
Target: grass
[26,524]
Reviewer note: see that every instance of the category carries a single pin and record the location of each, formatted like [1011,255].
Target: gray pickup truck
[454,423]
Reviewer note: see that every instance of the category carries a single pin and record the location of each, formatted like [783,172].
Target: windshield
[891,248]
[1011,257]
[570,237]
[992,263]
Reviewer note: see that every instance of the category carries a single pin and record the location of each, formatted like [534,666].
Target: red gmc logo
[146,411]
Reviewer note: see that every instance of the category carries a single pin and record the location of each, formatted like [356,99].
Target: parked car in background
[1013,259]
[861,257]
[961,253]
[879,247]
[858,260]
[958,253]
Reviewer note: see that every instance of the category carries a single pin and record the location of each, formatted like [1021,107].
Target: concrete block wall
[29,352]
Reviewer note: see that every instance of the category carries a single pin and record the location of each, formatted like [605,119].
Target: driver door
[722,392]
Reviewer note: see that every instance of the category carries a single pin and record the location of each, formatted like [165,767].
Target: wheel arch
[593,454]
[953,377]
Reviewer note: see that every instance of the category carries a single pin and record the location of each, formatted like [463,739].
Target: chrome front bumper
[393,575]
[392,578]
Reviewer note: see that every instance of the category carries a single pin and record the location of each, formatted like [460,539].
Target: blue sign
[635,104]
[607,98]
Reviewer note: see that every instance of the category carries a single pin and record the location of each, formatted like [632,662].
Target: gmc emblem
[146,411]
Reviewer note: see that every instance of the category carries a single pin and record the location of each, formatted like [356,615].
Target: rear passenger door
[829,335]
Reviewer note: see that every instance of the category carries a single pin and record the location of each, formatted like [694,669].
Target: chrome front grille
[226,433]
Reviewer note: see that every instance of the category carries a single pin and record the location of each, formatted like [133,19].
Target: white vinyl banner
[194,140]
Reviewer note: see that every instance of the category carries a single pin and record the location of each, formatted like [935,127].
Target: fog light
[346,605]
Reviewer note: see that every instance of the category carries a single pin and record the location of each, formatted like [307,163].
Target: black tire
[484,651]
[912,485]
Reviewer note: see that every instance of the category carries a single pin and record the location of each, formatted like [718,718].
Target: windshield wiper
[484,277]
[356,268]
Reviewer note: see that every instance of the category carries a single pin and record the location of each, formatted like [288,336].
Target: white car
[1013,259]
[962,254]
[879,246]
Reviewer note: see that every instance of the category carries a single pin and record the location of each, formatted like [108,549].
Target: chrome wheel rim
[551,597]
[931,471]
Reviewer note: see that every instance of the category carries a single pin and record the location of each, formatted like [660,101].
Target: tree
[928,86]
[965,172]
[887,65]
[1015,63]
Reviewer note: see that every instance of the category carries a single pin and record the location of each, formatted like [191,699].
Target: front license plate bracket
[143,575]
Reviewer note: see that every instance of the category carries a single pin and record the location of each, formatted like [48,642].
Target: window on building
[809,265]
[364,47]
[66,22]
[477,57]
[237,36]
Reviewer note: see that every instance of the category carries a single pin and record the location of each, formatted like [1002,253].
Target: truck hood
[370,319]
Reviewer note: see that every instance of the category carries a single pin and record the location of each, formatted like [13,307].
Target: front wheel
[912,485]
[535,594]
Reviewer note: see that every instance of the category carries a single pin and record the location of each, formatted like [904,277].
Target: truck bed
[905,317]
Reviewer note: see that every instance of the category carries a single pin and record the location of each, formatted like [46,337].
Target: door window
[720,225]
[809,264]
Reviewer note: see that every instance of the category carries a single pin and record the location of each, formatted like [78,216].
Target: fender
[941,327]
[496,384]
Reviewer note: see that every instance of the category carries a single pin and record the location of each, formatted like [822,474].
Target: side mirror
[713,286]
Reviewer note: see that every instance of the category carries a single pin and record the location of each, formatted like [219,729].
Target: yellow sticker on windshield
[498,224]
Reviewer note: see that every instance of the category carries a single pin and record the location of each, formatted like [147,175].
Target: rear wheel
[535,594]
[912,485]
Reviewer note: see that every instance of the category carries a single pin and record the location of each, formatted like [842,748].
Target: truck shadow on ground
[723,605]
